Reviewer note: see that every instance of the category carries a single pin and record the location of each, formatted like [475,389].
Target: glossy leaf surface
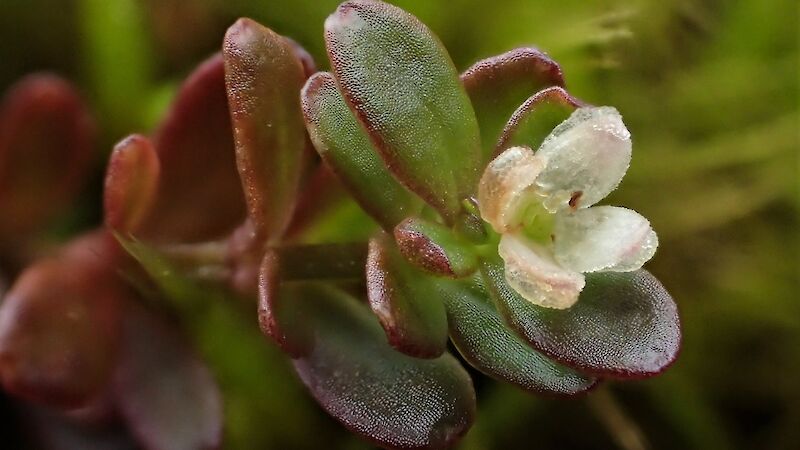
[46,137]
[410,311]
[344,145]
[435,248]
[392,399]
[400,82]
[624,324]
[199,194]
[131,183]
[486,342]
[536,118]
[264,77]
[497,86]
[164,391]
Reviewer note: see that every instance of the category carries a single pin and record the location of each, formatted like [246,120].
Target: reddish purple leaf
[410,311]
[131,183]
[59,325]
[199,194]
[164,391]
[624,324]
[497,86]
[393,400]
[435,248]
[46,137]
[536,118]
[264,77]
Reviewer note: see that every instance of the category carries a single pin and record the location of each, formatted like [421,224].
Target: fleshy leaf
[603,238]
[393,400]
[46,137]
[345,146]
[409,310]
[536,118]
[624,324]
[486,342]
[281,309]
[166,394]
[264,76]
[400,82]
[59,326]
[131,183]
[498,85]
[435,248]
[199,194]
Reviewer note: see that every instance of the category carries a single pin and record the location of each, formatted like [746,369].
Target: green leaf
[393,400]
[624,324]
[194,143]
[264,77]
[400,82]
[497,86]
[345,146]
[409,310]
[46,137]
[164,391]
[131,183]
[536,118]
[486,342]
[435,248]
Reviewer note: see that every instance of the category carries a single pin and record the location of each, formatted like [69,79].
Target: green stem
[620,426]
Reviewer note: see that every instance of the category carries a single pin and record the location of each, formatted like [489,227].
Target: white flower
[541,202]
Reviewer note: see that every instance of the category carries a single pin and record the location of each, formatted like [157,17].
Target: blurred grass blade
[400,82]
[165,392]
[344,145]
[264,76]
[393,400]
[486,342]
[498,85]
[624,324]
[410,311]
[46,137]
[131,183]
[199,193]
[536,118]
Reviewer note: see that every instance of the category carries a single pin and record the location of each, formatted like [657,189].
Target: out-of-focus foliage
[709,90]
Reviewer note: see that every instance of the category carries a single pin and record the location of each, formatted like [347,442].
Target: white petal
[586,157]
[507,186]
[603,238]
[531,271]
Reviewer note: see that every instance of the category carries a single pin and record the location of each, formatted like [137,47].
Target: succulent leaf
[345,146]
[498,85]
[392,399]
[399,80]
[435,248]
[131,183]
[624,324]
[263,76]
[407,306]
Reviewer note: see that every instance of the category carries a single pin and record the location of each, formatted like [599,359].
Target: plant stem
[625,432]
[323,261]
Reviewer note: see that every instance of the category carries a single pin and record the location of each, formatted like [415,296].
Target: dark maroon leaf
[263,77]
[624,324]
[407,307]
[46,137]
[536,118]
[199,194]
[131,183]
[435,248]
[393,400]
[165,392]
[486,342]
[59,325]
[497,86]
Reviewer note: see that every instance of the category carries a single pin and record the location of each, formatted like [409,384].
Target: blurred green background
[709,90]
